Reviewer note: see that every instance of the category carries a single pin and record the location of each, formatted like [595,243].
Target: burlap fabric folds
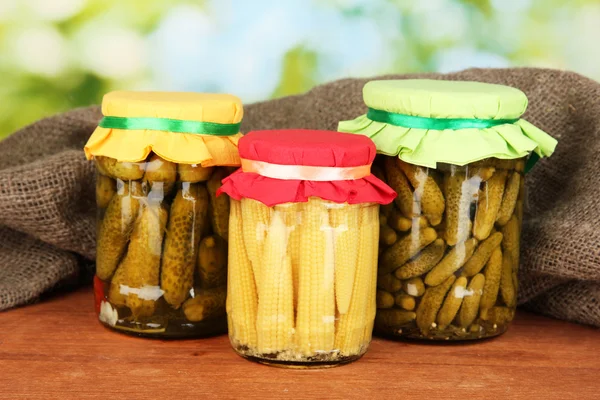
[47,212]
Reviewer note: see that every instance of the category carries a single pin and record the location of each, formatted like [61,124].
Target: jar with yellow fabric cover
[456,154]
[161,259]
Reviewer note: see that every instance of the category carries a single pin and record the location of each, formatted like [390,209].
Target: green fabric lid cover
[424,122]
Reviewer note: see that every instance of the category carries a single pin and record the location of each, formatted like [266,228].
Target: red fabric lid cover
[309,148]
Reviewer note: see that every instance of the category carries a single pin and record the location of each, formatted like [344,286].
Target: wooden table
[58,350]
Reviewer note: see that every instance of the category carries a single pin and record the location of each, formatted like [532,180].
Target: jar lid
[189,128]
[282,166]
[445,99]
[424,122]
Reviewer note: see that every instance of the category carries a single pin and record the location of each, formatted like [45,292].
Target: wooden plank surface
[57,350]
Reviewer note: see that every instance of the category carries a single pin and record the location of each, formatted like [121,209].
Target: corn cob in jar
[324,316]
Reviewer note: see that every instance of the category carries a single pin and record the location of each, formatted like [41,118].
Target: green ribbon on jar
[438,124]
[170,125]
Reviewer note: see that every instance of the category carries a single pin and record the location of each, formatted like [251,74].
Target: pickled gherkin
[452,303]
[160,170]
[106,188]
[470,305]
[206,304]
[384,299]
[424,262]
[431,303]
[212,262]
[142,262]
[126,171]
[219,216]
[188,211]
[489,204]
[194,173]
[405,301]
[404,249]
[393,319]
[452,262]
[426,190]
[116,227]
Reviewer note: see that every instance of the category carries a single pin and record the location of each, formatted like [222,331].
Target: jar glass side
[161,263]
[449,249]
[302,281]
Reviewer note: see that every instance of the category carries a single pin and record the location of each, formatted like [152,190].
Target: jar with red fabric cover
[304,231]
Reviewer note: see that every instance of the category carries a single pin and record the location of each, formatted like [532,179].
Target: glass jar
[307,308]
[302,268]
[161,259]
[456,154]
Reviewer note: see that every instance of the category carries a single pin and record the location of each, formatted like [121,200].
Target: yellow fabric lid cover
[187,128]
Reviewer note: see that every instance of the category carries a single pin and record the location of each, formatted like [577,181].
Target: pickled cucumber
[194,172]
[431,303]
[126,171]
[393,318]
[405,301]
[488,205]
[188,211]
[160,170]
[399,222]
[427,191]
[382,219]
[507,284]
[405,200]
[509,201]
[511,242]
[387,236]
[414,287]
[470,304]
[498,315]
[220,205]
[482,255]
[105,190]
[212,262]
[460,192]
[389,283]
[452,303]
[116,227]
[492,272]
[405,248]
[423,262]
[206,304]
[483,173]
[384,299]
[142,261]
[115,297]
[451,262]
[520,165]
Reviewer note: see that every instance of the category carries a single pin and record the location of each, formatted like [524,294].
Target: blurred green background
[60,54]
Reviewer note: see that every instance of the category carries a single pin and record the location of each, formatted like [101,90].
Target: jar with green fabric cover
[456,153]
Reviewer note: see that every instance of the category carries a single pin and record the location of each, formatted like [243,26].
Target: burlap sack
[47,213]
